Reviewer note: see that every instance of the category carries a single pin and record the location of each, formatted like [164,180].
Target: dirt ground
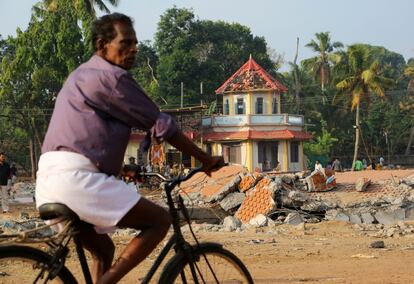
[326,252]
[374,176]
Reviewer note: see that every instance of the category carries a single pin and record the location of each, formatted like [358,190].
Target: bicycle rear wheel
[221,266]
[22,264]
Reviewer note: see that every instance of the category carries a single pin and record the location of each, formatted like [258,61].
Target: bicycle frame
[62,250]
[176,239]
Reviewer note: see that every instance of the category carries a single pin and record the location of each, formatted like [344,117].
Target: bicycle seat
[50,211]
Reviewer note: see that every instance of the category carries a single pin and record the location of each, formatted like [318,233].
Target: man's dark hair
[2,153]
[104,27]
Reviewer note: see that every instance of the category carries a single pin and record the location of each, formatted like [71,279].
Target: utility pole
[296,77]
[201,114]
[182,95]
[201,93]
[181,122]
[388,146]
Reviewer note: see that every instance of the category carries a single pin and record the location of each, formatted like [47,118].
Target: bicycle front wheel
[212,264]
[22,264]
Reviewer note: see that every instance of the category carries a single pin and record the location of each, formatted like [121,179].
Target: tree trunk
[323,80]
[410,141]
[36,158]
[32,158]
[356,137]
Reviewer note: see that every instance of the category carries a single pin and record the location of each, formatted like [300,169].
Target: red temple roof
[257,134]
[251,76]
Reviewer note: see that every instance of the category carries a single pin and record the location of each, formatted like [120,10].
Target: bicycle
[199,263]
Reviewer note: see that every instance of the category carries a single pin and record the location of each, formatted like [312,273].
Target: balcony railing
[253,119]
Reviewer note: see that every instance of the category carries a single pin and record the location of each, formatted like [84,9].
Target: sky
[378,22]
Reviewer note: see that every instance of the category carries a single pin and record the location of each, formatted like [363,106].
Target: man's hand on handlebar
[212,164]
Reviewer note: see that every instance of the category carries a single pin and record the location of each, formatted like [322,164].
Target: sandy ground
[374,176]
[327,252]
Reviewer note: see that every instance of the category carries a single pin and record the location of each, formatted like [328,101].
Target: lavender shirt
[94,113]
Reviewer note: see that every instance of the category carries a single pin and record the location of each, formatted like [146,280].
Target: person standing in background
[358,165]
[381,161]
[13,173]
[336,165]
[318,166]
[5,180]
[364,164]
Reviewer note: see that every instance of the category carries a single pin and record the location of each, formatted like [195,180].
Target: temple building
[252,131]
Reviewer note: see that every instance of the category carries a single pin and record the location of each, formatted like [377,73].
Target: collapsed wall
[233,191]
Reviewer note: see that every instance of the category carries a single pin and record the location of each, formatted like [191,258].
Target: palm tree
[409,72]
[321,64]
[409,104]
[363,79]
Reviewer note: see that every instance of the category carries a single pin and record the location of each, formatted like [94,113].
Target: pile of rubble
[23,192]
[233,199]
[25,223]
[239,198]
[384,231]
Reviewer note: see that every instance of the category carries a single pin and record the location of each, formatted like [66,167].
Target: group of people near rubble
[8,175]
[131,172]
[334,165]
[360,164]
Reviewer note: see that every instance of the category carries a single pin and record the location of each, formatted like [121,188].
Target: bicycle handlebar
[171,183]
[175,181]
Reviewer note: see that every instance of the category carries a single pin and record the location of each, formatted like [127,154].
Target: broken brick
[259,200]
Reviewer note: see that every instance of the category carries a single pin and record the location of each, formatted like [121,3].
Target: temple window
[226,107]
[259,106]
[240,106]
[294,152]
[274,105]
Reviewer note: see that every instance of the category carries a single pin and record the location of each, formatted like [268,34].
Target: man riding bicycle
[84,146]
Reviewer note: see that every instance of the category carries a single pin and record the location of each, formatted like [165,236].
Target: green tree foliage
[408,103]
[33,73]
[386,127]
[322,144]
[174,26]
[392,64]
[85,11]
[145,71]
[35,63]
[3,47]
[320,65]
[194,51]
[409,73]
[364,78]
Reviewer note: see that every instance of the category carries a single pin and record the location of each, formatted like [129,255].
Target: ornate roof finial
[251,76]
[250,62]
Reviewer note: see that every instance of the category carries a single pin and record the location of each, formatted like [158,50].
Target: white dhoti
[72,179]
